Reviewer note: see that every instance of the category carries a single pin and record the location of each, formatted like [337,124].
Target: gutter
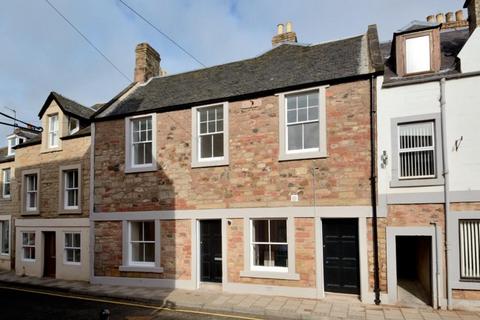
[434,78]
[373,187]
[446,188]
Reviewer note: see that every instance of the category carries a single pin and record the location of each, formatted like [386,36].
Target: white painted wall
[469,55]
[60,227]
[462,118]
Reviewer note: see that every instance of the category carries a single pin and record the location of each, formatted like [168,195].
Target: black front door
[49,255]
[340,255]
[211,250]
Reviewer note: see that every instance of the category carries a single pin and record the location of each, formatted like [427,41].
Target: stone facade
[255,177]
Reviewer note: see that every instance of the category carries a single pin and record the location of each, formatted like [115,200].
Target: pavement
[263,307]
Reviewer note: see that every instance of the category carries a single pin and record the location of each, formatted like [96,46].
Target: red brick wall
[254,177]
[304,251]
[175,254]
[415,215]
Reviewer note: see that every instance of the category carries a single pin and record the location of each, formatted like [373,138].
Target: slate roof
[418,25]
[4,157]
[283,67]
[68,106]
[80,133]
[451,42]
[30,142]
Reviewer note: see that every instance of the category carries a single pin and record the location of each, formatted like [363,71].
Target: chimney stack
[284,34]
[147,63]
[473,7]
[453,21]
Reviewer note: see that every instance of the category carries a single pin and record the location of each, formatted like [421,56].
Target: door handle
[217,259]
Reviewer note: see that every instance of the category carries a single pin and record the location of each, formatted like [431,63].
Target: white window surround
[5,220]
[127,264]
[13,141]
[62,207]
[25,209]
[73,125]
[197,162]
[396,181]
[252,271]
[129,166]
[30,245]
[321,151]
[72,248]
[6,180]
[53,130]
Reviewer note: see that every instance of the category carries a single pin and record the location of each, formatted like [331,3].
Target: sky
[40,52]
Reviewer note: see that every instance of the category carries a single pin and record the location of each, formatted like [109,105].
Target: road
[25,303]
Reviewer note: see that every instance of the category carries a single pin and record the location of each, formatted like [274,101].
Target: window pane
[260,230]
[5,236]
[139,153]
[302,114]
[137,251]
[24,238]
[206,146]
[220,125]
[313,113]
[291,102]
[278,231]
[220,113]
[76,240]
[311,135]
[292,116]
[211,114]
[211,126]
[203,127]
[203,114]
[68,240]
[261,255]
[149,228]
[218,145]
[417,54]
[148,152]
[150,252]
[313,99]
[302,101]
[77,255]
[135,231]
[469,232]
[69,255]
[295,137]
[279,255]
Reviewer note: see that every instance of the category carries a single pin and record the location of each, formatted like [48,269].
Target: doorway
[211,250]
[341,266]
[49,255]
[414,270]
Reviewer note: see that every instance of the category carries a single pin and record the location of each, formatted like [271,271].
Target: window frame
[77,125]
[62,189]
[23,246]
[396,181]
[267,272]
[4,183]
[65,248]
[197,161]
[310,153]
[52,132]
[127,265]
[131,262]
[24,197]
[129,166]
[5,219]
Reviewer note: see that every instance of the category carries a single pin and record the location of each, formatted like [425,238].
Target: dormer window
[73,125]
[417,54]
[12,142]
[53,131]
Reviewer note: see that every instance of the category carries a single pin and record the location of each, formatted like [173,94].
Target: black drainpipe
[373,183]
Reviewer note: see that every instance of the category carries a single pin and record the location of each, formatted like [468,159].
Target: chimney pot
[289,26]
[431,18]
[459,15]
[449,17]
[440,18]
[147,63]
[280,28]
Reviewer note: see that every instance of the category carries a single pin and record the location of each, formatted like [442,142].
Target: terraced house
[51,195]
[428,167]
[252,176]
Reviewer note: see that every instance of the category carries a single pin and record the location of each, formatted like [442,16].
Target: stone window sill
[270,275]
[302,155]
[141,269]
[213,163]
[140,169]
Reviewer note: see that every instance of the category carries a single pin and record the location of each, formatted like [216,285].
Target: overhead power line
[162,33]
[88,41]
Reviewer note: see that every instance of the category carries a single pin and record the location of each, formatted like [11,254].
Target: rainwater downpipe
[446,189]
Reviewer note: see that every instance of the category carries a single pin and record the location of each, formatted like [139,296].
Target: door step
[211,286]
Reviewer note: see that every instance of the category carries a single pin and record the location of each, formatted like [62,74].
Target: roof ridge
[67,98]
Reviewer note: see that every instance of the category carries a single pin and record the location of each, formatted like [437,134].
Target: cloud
[41,53]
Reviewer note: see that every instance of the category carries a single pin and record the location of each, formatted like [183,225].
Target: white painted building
[428,161]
